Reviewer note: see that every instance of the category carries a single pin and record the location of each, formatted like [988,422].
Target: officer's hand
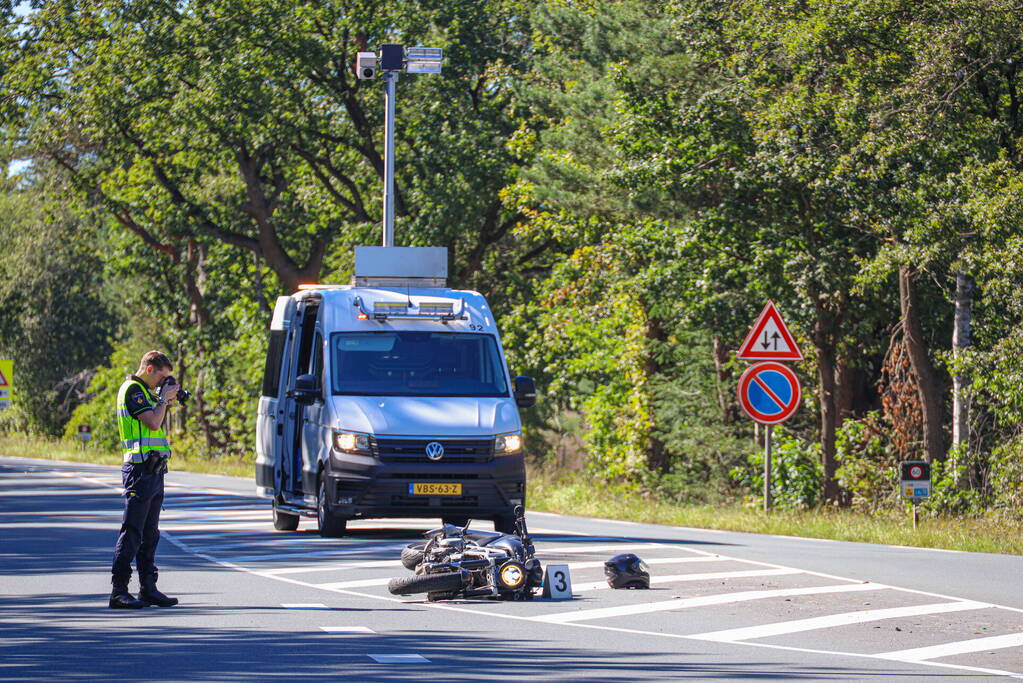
[170,391]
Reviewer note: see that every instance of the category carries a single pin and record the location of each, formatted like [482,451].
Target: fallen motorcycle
[456,562]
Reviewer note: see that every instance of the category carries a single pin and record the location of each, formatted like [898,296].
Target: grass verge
[584,497]
[574,495]
[58,449]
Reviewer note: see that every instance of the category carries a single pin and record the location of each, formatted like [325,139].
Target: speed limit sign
[916,479]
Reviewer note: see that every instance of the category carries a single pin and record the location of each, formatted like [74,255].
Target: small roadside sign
[6,383]
[769,392]
[84,432]
[769,338]
[916,479]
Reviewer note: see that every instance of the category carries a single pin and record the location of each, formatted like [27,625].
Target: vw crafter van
[389,397]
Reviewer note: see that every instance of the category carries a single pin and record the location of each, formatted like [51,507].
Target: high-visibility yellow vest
[138,440]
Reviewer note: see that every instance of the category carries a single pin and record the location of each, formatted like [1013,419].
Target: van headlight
[508,444]
[351,442]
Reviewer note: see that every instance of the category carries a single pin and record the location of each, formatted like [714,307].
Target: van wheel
[330,524]
[284,521]
[504,524]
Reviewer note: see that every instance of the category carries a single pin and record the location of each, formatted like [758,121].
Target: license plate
[434,488]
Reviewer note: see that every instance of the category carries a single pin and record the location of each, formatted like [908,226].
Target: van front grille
[414,450]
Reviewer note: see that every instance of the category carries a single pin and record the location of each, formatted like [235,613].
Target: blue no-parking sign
[769,392]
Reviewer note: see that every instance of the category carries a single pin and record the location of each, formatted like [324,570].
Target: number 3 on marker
[557,582]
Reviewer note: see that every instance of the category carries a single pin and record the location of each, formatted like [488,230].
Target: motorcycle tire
[412,555]
[447,582]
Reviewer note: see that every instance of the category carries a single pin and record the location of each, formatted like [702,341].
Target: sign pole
[916,515]
[767,468]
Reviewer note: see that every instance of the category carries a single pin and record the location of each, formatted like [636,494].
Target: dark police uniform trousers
[140,526]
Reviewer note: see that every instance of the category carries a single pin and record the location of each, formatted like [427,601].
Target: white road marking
[709,576]
[347,629]
[213,526]
[219,515]
[653,634]
[303,605]
[702,601]
[961,647]
[652,560]
[315,553]
[365,564]
[361,583]
[845,619]
[398,659]
[583,548]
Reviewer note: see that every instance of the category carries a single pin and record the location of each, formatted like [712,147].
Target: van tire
[504,524]
[447,582]
[412,555]
[329,524]
[284,521]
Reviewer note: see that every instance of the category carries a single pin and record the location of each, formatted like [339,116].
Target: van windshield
[416,364]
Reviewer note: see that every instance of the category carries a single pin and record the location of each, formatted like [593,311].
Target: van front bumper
[367,486]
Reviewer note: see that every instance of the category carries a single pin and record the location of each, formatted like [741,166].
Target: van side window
[272,370]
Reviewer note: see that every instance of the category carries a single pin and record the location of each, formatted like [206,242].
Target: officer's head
[154,367]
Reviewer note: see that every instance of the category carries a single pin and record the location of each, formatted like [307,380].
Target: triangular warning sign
[769,338]
[3,379]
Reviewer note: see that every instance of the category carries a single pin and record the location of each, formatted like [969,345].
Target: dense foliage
[627,182]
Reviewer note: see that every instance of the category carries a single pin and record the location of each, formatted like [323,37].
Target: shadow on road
[130,646]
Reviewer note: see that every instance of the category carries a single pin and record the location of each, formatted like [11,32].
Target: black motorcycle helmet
[627,571]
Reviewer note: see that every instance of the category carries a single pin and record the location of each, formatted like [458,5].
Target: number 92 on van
[435,488]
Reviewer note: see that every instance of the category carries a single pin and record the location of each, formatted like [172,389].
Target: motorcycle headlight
[512,574]
[508,444]
[351,442]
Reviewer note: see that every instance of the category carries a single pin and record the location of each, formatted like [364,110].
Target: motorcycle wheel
[412,555]
[447,582]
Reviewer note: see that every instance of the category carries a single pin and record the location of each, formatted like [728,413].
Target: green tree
[55,318]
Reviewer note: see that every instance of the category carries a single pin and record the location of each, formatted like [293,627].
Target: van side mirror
[525,392]
[307,390]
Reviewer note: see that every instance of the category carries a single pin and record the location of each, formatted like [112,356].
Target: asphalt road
[258,604]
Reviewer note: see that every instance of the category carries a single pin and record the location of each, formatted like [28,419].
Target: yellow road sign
[6,383]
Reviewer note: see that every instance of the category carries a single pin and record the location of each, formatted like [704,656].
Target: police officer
[141,408]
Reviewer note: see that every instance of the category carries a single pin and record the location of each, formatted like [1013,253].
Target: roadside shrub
[947,498]
[797,479]
[868,468]
[1005,479]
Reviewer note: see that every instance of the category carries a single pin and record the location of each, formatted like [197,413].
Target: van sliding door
[301,346]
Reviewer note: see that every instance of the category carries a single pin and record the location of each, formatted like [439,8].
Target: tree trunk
[657,458]
[928,387]
[845,390]
[829,410]
[960,383]
[726,398]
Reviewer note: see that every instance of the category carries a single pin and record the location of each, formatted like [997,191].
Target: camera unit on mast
[392,60]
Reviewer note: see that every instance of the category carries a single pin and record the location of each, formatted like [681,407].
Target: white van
[389,397]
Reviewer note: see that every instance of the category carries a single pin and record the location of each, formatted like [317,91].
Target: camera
[366,65]
[182,394]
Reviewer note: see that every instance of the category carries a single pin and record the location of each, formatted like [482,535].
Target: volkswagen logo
[435,450]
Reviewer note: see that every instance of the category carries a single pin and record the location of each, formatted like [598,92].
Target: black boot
[151,596]
[120,598]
